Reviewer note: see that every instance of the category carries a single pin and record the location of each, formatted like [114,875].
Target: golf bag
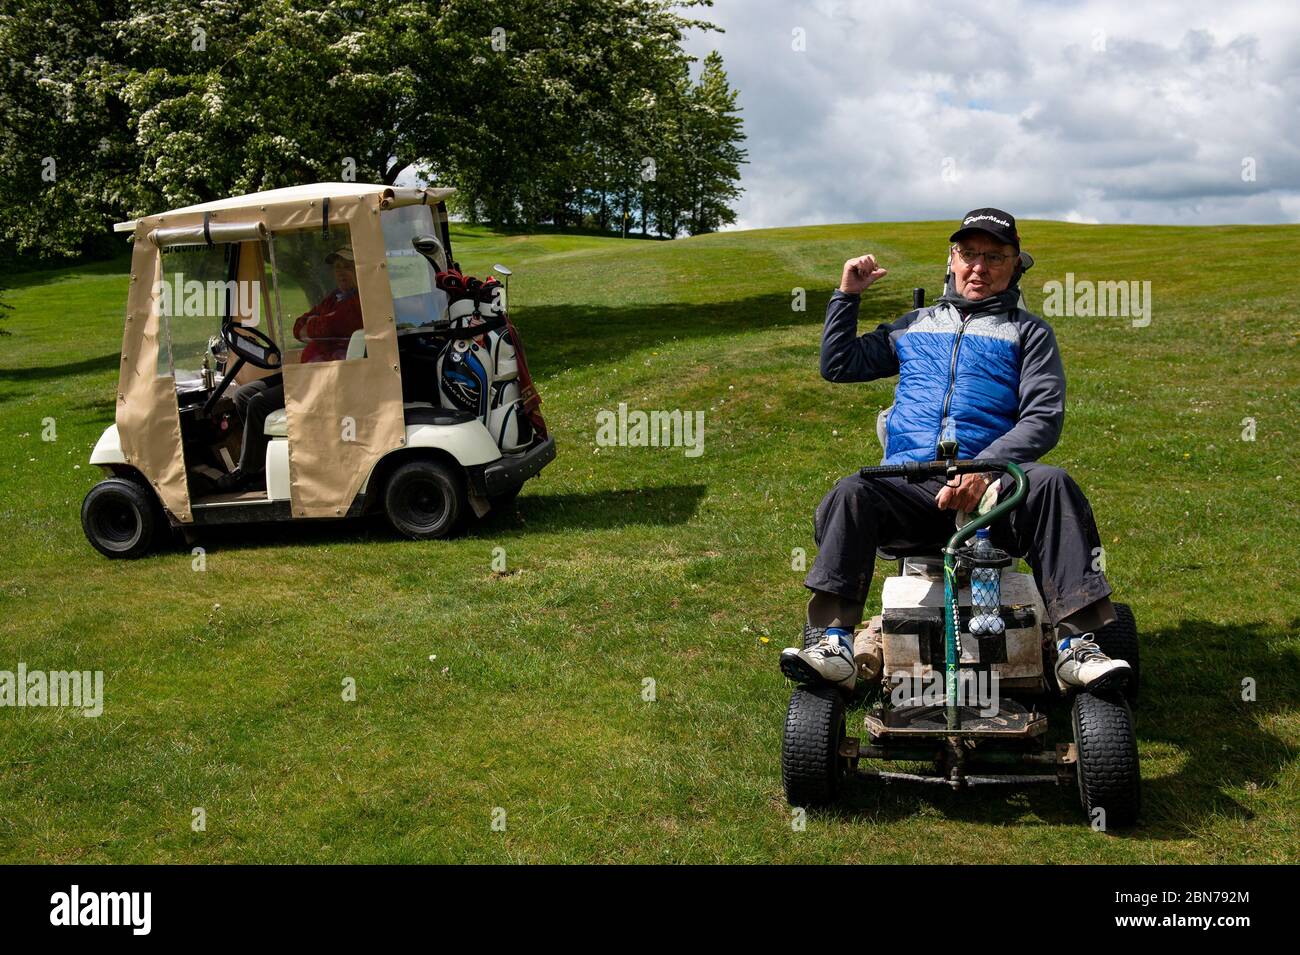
[485,374]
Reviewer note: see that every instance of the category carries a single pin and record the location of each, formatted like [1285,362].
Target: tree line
[562,112]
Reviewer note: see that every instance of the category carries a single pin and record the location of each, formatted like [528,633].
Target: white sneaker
[1083,665]
[828,661]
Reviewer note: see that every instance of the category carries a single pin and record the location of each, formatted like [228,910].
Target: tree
[711,149]
[537,110]
[69,162]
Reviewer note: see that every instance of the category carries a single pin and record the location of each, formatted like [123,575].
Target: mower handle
[918,471]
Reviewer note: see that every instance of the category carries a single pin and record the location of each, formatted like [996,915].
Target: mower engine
[906,639]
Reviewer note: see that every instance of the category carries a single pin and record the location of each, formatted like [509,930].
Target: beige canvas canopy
[328,463]
[390,196]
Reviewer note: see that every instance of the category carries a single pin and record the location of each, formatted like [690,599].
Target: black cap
[1001,225]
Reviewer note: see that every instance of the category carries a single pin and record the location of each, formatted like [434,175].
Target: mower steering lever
[917,471]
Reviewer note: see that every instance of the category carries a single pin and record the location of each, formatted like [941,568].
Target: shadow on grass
[534,513]
[45,372]
[25,273]
[602,510]
[1190,708]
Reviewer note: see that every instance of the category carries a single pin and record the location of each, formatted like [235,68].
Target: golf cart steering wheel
[251,345]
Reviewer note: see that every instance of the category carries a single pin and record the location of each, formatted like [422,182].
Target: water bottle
[985,589]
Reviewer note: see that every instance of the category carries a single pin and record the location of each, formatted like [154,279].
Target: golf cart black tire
[1108,771]
[1119,641]
[120,518]
[812,770]
[406,508]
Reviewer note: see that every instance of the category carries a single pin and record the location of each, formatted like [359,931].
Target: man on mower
[326,330]
[974,368]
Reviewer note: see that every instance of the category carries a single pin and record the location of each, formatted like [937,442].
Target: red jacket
[327,328]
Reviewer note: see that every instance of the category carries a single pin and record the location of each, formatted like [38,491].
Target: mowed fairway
[524,691]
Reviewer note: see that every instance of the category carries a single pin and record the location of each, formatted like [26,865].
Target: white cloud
[1102,111]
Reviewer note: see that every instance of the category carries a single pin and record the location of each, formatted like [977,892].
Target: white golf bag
[481,375]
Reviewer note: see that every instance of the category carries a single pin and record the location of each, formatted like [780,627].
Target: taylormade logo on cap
[997,223]
[1002,222]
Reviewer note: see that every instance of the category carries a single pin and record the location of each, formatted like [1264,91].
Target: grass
[224,687]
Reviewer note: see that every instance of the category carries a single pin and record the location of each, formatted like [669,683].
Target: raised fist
[859,274]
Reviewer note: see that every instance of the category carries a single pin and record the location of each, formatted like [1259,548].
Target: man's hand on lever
[965,495]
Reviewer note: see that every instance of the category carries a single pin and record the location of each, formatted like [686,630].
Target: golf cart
[405,389]
[919,658]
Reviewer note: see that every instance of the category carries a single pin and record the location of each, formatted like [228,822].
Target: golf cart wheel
[425,500]
[812,769]
[1119,641]
[120,518]
[1109,777]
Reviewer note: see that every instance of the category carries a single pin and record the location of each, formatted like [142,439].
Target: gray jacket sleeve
[848,357]
[1042,396]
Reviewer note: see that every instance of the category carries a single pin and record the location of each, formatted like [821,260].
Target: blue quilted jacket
[994,382]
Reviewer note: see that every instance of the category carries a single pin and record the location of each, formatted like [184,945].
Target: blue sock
[1064,643]
[843,636]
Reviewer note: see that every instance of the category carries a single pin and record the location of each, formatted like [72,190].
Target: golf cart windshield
[417,300]
[201,287]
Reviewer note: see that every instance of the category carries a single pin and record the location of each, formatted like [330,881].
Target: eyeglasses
[991,259]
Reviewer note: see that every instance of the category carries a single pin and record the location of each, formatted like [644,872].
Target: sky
[1098,111]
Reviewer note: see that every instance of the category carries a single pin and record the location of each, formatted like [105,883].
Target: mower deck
[913,722]
[1006,748]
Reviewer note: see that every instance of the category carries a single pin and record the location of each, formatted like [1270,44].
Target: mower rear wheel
[1119,641]
[812,770]
[1108,771]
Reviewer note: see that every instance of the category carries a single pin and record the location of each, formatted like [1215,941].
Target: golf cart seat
[277,424]
[415,412]
[424,412]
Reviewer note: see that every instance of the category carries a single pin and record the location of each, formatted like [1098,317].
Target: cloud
[1092,112]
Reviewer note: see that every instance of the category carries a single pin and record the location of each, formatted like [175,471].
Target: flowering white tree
[539,110]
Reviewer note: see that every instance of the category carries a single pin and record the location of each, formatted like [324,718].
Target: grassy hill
[524,690]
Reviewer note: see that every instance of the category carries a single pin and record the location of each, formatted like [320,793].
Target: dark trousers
[1053,528]
[254,402]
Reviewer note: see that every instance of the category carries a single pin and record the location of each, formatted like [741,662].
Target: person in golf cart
[975,368]
[326,329]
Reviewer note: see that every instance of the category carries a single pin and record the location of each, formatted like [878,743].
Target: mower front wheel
[812,769]
[1119,641]
[812,635]
[1110,783]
